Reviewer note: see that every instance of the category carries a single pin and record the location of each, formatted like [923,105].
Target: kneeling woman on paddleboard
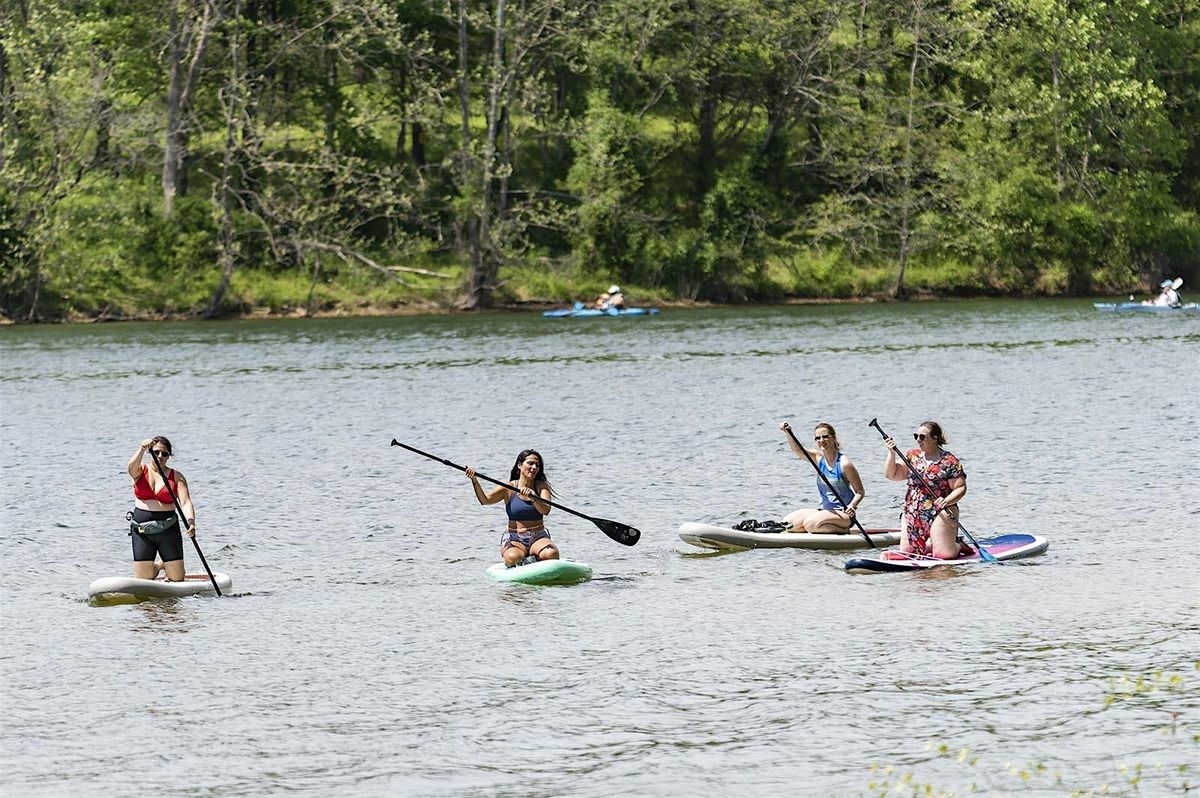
[155,526]
[526,536]
[924,529]
[836,512]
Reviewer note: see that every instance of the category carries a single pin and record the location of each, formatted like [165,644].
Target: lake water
[362,652]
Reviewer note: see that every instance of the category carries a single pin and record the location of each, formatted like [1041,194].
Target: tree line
[199,156]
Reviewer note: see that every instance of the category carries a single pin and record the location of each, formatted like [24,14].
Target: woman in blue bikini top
[526,538]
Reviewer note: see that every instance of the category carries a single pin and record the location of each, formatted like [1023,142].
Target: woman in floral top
[923,529]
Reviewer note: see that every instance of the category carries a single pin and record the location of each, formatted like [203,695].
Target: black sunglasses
[821,437]
[919,436]
[161,453]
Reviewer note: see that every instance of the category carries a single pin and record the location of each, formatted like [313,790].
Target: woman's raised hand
[783,425]
[890,442]
[146,444]
[470,472]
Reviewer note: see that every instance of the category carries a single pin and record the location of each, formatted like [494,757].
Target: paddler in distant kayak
[154,525]
[924,530]
[829,517]
[526,539]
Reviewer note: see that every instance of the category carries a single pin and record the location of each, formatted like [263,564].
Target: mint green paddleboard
[544,572]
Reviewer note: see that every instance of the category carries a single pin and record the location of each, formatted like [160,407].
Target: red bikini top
[143,491]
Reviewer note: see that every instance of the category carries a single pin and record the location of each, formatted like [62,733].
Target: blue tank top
[838,480]
[520,510]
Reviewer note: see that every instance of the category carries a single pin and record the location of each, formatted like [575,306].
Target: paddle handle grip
[486,478]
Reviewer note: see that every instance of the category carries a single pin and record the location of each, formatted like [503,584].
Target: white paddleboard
[718,537]
[128,587]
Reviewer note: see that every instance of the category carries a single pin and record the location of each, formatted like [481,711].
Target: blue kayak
[580,313]
[1138,307]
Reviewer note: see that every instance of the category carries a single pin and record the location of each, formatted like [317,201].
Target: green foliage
[731,151]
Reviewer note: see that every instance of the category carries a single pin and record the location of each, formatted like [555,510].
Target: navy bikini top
[520,510]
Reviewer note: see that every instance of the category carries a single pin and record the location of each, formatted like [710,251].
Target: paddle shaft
[828,484]
[983,553]
[179,512]
[486,478]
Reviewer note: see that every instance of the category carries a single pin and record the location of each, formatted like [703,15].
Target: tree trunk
[464,101]
[483,280]
[185,50]
[906,198]
[232,103]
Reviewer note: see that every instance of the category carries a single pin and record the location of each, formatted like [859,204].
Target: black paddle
[622,533]
[179,512]
[983,553]
[828,484]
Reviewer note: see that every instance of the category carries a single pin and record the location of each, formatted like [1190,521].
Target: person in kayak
[154,526]
[1169,297]
[829,517]
[525,540]
[923,529]
[614,299]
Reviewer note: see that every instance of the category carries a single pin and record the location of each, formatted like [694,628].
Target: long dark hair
[540,477]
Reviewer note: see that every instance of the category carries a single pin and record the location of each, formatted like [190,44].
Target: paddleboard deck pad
[131,588]
[1004,547]
[716,537]
[543,572]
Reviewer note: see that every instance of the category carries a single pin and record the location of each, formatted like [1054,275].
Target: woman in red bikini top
[154,535]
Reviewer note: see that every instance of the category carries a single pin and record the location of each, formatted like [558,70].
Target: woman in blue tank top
[525,539]
[829,517]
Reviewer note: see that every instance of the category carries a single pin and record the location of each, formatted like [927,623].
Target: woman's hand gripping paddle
[983,553]
[622,533]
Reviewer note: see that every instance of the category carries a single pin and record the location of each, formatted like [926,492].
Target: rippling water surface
[364,653]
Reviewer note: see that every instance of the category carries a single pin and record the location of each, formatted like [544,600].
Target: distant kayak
[582,312]
[129,589]
[544,572]
[717,537]
[1138,307]
[1004,547]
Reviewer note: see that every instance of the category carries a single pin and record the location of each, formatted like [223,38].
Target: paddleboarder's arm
[795,447]
[185,503]
[543,493]
[850,471]
[893,469]
[958,487]
[134,467]
[492,496]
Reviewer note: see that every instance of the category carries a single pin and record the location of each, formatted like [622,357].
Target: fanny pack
[152,527]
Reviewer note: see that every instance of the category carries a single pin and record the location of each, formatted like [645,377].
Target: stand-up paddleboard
[716,537]
[543,572]
[1004,547]
[131,588]
[1138,307]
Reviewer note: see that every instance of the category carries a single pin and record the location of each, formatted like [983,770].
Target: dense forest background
[210,157]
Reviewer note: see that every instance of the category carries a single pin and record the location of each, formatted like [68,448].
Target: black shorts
[167,545]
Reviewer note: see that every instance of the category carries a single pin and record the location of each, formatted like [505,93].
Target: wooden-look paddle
[179,512]
[983,553]
[622,533]
[828,484]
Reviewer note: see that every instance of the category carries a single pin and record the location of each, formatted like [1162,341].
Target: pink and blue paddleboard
[1004,547]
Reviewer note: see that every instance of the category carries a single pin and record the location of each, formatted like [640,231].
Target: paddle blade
[622,533]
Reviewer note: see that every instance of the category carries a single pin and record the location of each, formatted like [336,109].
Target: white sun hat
[614,289]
